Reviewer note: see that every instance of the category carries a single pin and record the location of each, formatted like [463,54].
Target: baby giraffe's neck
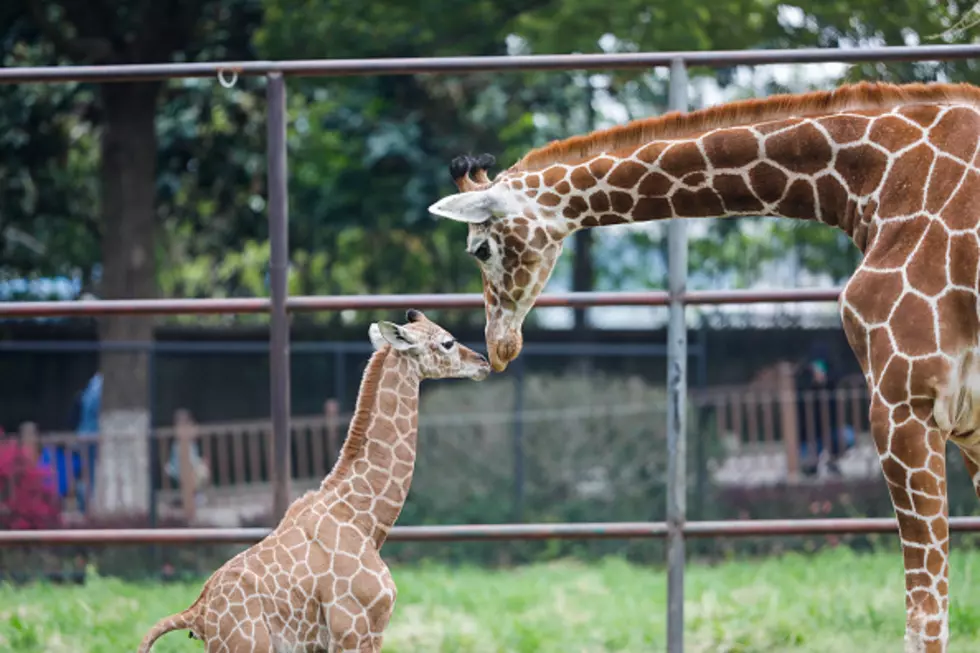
[374,472]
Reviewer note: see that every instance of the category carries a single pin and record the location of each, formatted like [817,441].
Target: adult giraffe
[894,167]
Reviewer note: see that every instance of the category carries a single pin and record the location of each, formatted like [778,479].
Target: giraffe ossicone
[317,581]
[895,167]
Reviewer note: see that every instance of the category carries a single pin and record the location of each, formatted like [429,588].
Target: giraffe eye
[448,344]
[482,252]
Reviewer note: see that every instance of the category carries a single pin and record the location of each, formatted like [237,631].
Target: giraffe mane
[367,395]
[854,97]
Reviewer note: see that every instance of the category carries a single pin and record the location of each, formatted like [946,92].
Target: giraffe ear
[388,333]
[475,206]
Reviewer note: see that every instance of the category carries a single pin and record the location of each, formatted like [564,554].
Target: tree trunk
[129,152]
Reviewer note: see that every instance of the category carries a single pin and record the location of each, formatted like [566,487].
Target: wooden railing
[765,415]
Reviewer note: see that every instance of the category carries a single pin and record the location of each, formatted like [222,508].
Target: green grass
[833,601]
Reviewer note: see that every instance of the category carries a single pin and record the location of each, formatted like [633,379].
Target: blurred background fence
[574,432]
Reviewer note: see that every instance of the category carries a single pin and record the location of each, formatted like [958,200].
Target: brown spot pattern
[735,193]
[553,175]
[599,201]
[731,148]
[651,153]
[962,210]
[655,184]
[874,293]
[626,174]
[621,202]
[893,133]
[776,125]
[582,179]
[768,182]
[959,325]
[964,252]
[652,208]
[798,202]
[697,203]
[895,242]
[833,200]
[862,167]
[906,183]
[924,114]
[946,175]
[694,179]
[926,272]
[956,133]
[609,219]
[802,149]
[600,167]
[911,332]
[844,129]
[549,199]
[682,159]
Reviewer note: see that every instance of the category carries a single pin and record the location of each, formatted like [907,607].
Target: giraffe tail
[188,619]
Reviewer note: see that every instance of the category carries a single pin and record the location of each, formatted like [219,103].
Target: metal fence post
[278,290]
[677,390]
[518,434]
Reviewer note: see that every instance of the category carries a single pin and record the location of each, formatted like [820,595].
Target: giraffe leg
[912,456]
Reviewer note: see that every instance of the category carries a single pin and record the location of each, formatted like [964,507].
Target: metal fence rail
[448,65]
[485,532]
[279,304]
[298,304]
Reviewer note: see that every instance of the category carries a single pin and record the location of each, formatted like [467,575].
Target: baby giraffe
[317,582]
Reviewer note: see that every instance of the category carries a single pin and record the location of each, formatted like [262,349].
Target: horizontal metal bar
[315,347]
[444,65]
[467,532]
[398,302]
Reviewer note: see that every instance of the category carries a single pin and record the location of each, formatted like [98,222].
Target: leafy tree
[102,32]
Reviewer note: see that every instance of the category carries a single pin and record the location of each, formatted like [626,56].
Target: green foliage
[369,154]
[48,153]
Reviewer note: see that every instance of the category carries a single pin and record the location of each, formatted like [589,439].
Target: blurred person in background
[816,378]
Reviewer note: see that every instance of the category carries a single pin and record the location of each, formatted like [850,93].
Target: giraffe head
[434,351]
[516,236]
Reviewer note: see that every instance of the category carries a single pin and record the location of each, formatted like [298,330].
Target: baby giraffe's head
[433,349]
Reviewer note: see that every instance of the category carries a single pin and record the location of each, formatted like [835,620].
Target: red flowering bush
[28,497]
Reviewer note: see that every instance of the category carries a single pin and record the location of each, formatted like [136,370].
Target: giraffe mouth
[504,351]
[498,364]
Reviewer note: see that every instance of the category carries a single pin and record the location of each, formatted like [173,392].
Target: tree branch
[83,49]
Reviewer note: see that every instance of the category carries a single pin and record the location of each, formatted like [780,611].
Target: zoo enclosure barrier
[279,304]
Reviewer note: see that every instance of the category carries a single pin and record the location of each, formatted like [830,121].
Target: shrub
[28,497]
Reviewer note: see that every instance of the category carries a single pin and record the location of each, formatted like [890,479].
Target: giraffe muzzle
[504,350]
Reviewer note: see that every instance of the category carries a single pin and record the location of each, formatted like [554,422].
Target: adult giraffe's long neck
[814,169]
[374,471]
